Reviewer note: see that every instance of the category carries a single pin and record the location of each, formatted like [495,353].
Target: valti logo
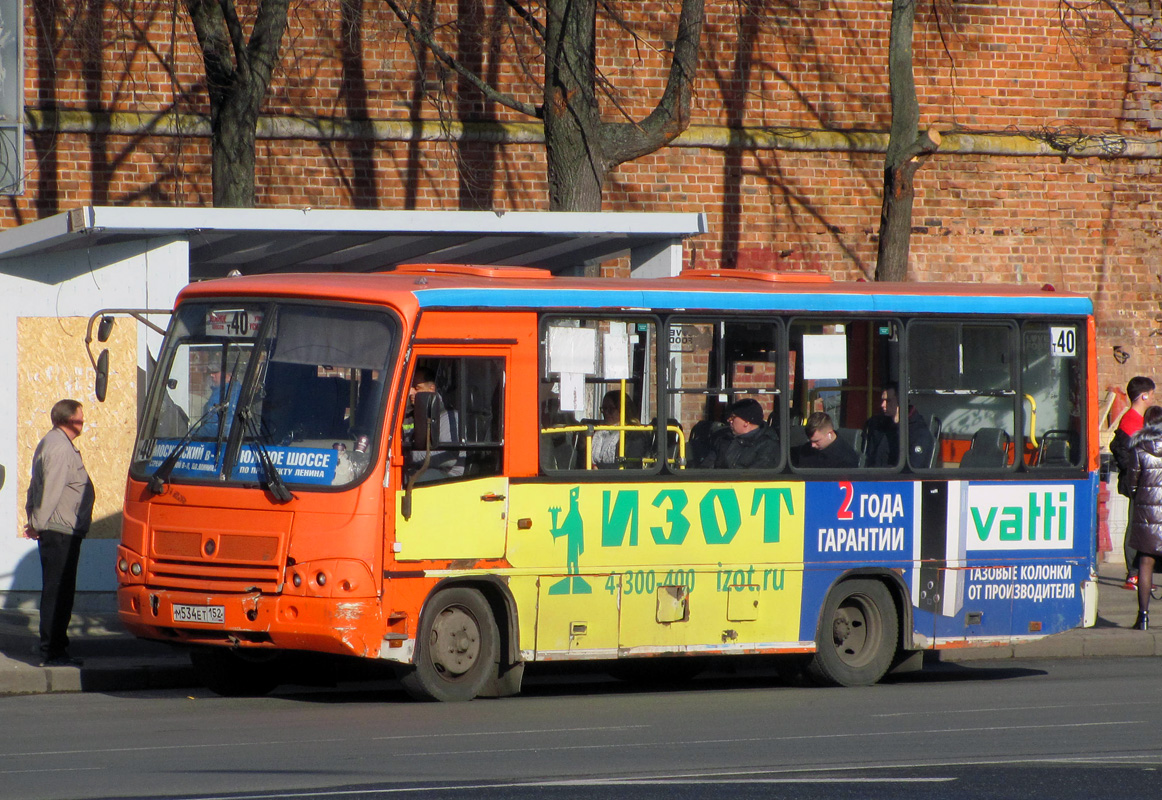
[1019,517]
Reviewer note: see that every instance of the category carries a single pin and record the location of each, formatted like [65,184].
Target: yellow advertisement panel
[659,567]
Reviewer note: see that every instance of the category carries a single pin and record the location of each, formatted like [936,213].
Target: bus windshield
[247,387]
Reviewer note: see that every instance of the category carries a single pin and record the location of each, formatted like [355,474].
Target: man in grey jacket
[60,510]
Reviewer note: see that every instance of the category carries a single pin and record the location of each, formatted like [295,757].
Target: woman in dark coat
[1146,529]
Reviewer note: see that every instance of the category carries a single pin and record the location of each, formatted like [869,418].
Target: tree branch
[451,62]
[925,145]
[265,38]
[671,115]
[528,17]
[216,55]
[237,37]
[1125,19]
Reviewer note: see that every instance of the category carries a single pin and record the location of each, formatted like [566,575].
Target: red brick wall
[1088,225]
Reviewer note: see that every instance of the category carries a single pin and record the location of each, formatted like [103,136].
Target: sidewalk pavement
[115,661]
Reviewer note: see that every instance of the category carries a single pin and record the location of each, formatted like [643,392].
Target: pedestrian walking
[60,510]
[1145,479]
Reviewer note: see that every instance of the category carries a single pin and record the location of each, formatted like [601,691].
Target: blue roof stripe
[506,297]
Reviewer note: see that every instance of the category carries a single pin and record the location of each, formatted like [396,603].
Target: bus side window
[963,374]
[713,364]
[843,367]
[598,395]
[454,427]
[1052,396]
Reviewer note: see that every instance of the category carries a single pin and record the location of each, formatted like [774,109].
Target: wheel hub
[455,642]
[851,634]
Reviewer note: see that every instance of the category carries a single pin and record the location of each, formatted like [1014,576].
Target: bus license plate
[212,614]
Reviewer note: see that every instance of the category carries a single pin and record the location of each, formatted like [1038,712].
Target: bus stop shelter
[58,271]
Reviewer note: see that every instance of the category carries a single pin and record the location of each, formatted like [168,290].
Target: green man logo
[573,529]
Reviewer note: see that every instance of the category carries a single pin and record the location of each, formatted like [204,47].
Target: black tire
[858,632]
[231,674]
[456,648]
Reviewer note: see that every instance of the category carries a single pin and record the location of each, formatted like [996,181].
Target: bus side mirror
[104,329]
[101,384]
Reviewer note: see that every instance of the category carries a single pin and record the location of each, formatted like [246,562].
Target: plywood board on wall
[52,365]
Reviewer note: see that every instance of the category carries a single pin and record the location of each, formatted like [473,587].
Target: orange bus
[464,469]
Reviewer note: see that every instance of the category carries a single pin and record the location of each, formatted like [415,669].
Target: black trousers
[59,555]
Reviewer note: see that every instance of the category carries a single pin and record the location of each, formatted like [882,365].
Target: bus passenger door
[453,500]
[966,592]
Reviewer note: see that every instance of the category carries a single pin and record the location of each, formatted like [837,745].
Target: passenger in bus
[704,437]
[606,444]
[751,443]
[824,449]
[882,434]
[214,410]
[1145,480]
[558,450]
[432,462]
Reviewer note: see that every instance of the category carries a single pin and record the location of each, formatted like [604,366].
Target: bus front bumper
[351,626]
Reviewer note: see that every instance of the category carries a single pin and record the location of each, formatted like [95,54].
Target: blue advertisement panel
[1028,547]
[852,524]
[989,559]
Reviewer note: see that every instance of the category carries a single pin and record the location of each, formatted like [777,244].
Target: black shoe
[1142,622]
[62,661]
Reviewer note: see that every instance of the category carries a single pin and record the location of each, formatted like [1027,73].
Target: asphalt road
[1048,729]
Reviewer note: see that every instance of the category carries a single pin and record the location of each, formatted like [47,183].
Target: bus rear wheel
[857,635]
[456,649]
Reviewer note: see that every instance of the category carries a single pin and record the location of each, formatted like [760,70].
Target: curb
[96,675]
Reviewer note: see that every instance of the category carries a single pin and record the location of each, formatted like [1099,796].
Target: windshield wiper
[159,478]
[274,482]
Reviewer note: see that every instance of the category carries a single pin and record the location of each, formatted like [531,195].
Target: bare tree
[582,148]
[238,74]
[908,149]
[1082,21]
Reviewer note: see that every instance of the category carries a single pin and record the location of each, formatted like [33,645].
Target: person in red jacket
[1140,391]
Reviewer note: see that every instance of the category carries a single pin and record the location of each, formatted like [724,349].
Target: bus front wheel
[456,649]
[857,638]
